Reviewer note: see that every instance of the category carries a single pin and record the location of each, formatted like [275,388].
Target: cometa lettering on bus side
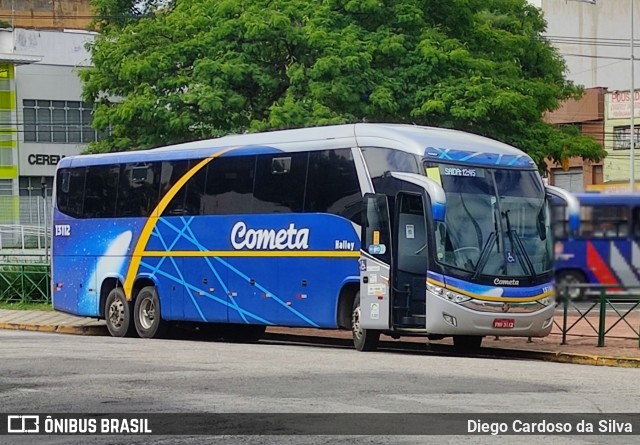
[290,238]
[501,282]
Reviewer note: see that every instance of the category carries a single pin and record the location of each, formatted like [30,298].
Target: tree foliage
[188,70]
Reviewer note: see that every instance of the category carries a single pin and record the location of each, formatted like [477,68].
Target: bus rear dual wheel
[143,318]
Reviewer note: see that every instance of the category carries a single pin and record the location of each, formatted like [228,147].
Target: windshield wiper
[484,255]
[517,243]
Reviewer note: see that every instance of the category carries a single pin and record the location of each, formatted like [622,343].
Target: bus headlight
[547,301]
[455,296]
[447,294]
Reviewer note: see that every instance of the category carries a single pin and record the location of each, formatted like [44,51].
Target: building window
[621,139]
[6,156]
[58,121]
[6,187]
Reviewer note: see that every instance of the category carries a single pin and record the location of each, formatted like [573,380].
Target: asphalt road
[64,373]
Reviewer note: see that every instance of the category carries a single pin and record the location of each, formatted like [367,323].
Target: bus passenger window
[229,186]
[138,189]
[332,184]
[610,221]
[280,183]
[635,221]
[101,191]
[171,173]
[70,196]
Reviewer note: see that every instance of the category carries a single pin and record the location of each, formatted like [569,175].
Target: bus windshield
[497,222]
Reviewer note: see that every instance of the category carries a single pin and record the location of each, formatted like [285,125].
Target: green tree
[188,70]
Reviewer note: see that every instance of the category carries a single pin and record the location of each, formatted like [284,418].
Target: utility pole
[43,188]
[632,166]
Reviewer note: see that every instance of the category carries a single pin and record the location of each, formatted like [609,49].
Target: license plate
[504,323]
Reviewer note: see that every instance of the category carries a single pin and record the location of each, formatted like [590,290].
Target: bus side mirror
[542,230]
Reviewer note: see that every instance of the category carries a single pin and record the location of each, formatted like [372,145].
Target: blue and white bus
[378,228]
[605,248]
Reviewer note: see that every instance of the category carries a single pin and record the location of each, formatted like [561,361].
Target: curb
[61,329]
[549,356]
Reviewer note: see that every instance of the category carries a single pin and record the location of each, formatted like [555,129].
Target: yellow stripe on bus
[255,253]
[151,222]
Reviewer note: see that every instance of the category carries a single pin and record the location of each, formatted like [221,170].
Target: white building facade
[43,117]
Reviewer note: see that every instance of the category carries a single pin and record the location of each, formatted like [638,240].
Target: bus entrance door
[410,261]
[375,264]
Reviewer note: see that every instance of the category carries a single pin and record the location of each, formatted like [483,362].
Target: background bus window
[560,221]
[138,189]
[604,221]
[101,191]
[278,189]
[635,221]
[332,184]
[70,191]
[229,186]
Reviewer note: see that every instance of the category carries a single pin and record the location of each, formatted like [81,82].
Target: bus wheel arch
[345,304]
[570,277]
[147,314]
[107,286]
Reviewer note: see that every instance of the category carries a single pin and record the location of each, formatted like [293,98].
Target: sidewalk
[621,349]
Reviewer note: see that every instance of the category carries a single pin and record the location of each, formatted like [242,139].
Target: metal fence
[25,279]
[25,224]
[609,310]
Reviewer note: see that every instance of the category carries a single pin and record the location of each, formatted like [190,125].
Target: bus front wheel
[363,339]
[147,315]
[568,282]
[117,314]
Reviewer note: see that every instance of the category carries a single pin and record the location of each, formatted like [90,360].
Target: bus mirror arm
[433,189]
[573,206]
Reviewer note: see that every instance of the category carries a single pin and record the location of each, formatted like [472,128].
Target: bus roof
[435,143]
[628,199]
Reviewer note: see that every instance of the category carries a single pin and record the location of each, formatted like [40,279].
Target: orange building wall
[588,114]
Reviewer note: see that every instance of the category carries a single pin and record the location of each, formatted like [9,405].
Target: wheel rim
[355,323]
[572,293]
[116,313]
[147,313]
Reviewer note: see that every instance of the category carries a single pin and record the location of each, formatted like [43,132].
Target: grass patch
[27,306]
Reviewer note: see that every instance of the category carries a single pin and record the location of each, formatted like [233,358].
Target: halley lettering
[269,239]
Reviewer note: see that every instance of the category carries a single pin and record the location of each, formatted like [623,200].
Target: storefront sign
[619,105]
[43,159]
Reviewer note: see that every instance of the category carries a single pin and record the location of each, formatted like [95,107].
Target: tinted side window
[170,173]
[138,189]
[332,184]
[70,191]
[101,191]
[188,201]
[280,183]
[380,160]
[229,186]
